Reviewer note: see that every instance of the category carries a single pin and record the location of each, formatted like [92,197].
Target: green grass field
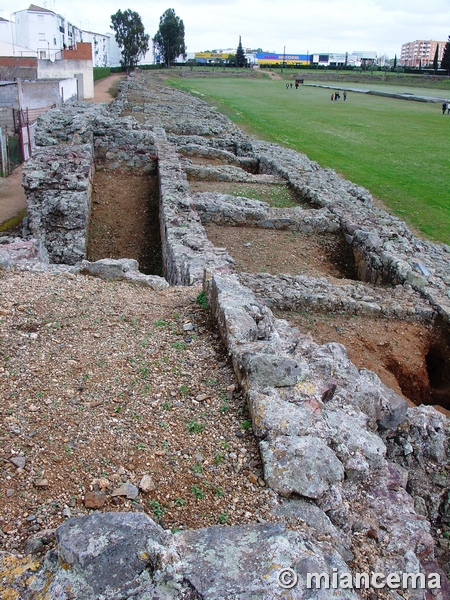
[397,149]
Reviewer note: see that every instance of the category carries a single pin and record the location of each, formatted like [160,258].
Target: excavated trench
[411,357]
[273,251]
[124,219]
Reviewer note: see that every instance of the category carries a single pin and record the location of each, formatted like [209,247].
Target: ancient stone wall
[346,454]
[71,143]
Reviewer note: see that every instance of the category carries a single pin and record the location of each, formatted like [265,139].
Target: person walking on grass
[444,107]
[345,95]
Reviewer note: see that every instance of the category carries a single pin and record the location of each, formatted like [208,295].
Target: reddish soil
[12,196]
[395,350]
[270,251]
[124,220]
[405,355]
[102,87]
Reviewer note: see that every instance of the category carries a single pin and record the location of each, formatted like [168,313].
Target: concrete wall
[68,89]
[46,93]
[66,69]
[12,67]
[40,94]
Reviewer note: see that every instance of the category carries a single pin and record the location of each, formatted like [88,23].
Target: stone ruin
[348,456]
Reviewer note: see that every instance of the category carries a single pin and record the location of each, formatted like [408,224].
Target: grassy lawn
[399,150]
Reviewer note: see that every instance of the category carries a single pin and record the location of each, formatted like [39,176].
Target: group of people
[446,107]
[337,96]
[289,85]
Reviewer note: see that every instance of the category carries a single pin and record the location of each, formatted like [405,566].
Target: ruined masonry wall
[70,144]
[345,453]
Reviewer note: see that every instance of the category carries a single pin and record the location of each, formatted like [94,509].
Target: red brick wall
[83,52]
[11,61]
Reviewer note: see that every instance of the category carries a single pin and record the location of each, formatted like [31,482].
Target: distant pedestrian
[296,85]
[287,86]
[291,86]
[444,107]
[332,97]
[345,95]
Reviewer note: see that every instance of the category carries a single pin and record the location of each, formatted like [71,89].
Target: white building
[100,47]
[44,31]
[47,33]
[6,31]
[355,59]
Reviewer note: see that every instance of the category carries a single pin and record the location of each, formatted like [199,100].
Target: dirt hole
[410,357]
[124,220]
[274,251]
[431,385]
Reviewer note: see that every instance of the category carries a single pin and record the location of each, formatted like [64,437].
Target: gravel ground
[118,398]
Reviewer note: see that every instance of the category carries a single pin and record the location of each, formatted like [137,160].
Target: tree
[241,61]
[232,60]
[130,36]
[445,62]
[395,63]
[169,39]
[435,59]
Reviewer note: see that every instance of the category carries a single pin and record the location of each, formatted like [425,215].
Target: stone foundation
[344,452]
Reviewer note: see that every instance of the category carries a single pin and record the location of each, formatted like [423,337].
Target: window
[42,37]
[40,18]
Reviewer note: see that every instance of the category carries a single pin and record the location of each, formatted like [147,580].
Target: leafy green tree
[435,59]
[169,39]
[130,36]
[395,63]
[231,60]
[241,61]
[445,62]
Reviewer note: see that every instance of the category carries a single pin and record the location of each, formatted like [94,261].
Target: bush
[101,72]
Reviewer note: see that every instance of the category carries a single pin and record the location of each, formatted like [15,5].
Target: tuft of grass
[114,89]
[195,427]
[6,225]
[202,300]
[157,509]
[197,492]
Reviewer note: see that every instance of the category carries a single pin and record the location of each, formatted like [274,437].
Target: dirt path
[102,86]
[12,195]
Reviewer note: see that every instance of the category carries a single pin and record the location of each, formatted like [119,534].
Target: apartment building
[48,33]
[100,47]
[44,31]
[420,53]
[6,31]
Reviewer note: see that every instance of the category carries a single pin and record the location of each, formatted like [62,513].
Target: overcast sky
[304,26]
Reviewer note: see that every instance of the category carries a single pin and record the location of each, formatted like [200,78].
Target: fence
[14,149]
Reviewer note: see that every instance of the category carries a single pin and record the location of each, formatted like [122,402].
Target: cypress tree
[241,61]
[435,59]
[445,62]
